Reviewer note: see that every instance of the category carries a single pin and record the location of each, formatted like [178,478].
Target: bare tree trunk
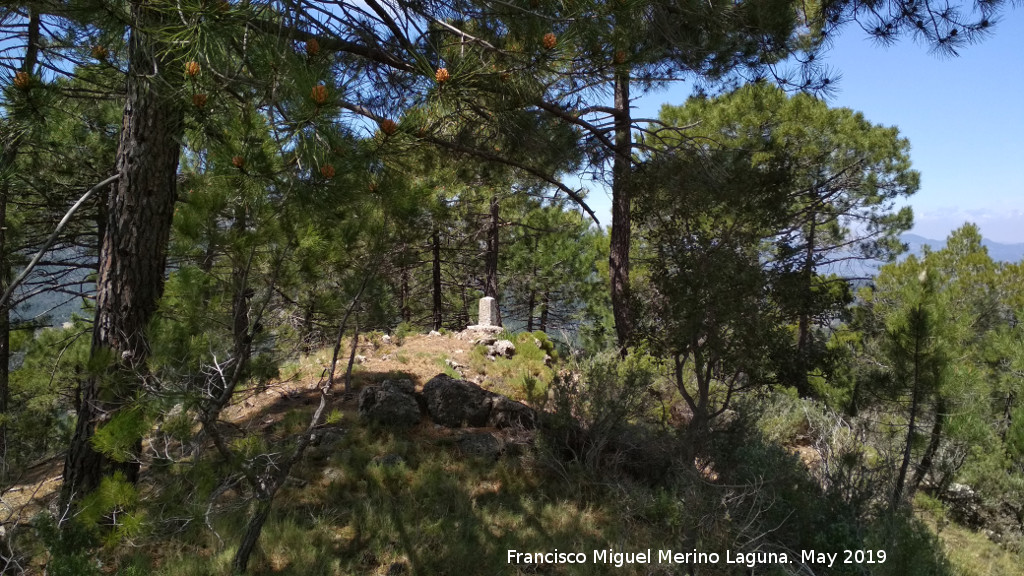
[352,360]
[531,304]
[134,248]
[10,155]
[491,259]
[252,534]
[435,246]
[618,259]
[404,304]
[545,302]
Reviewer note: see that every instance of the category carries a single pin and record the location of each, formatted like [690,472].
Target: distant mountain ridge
[998,251]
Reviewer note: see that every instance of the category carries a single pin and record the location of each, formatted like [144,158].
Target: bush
[603,415]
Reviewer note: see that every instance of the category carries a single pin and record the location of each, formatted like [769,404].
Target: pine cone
[550,40]
[389,127]
[319,94]
[312,47]
[442,75]
[238,162]
[199,100]
[327,171]
[22,80]
[192,69]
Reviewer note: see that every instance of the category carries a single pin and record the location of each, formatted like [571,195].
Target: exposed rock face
[392,403]
[455,403]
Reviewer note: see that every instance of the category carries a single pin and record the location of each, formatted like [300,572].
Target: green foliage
[117,438]
[70,547]
[40,387]
[115,503]
[594,405]
[404,329]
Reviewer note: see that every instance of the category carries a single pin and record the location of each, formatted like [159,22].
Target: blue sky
[964,117]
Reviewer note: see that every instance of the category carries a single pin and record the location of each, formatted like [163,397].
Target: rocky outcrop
[455,403]
[392,403]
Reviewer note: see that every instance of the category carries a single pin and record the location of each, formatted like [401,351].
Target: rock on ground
[392,403]
[454,403]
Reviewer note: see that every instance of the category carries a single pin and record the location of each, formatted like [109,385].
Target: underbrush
[604,472]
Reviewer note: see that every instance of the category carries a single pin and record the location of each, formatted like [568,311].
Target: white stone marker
[488,312]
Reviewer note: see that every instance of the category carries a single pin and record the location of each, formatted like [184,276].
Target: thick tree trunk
[491,259]
[134,248]
[435,247]
[618,259]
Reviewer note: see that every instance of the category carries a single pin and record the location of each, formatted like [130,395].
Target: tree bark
[915,400]
[252,535]
[10,155]
[531,304]
[134,248]
[618,259]
[405,296]
[491,259]
[925,465]
[545,303]
[435,246]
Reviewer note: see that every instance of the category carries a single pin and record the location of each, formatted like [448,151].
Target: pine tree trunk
[545,302]
[933,446]
[531,304]
[915,400]
[134,248]
[5,326]
[252,535]
[804,322]
[435,246]
[10,155]
[618,258]
[404,305]
[491,260]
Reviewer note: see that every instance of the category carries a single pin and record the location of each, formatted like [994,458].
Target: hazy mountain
[998,251]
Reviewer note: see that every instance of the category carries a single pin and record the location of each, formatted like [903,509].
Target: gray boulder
[452,402]
[392,403]
[503,348]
